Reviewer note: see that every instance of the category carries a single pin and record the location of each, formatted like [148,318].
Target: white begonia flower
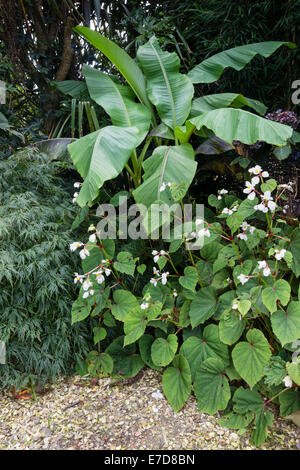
[243,279]
[251,229]
[158,254]
[264,266]
[204,232]
[154,281]
[77,185]
[78,277]
[107,272]
[234,306]
[287,381]
[163,186]
[265,174]
[261,207]
[144,305]
[91,228]
[99,276]
[104,261]
[244,226]
[249,190]
[156,271]
[91,292]
[92,238]
[85,295]
[279,254]
[256,170]
[242,236]
[175,293]
[255,180]
[84,253]
[235,208]
[199,221]
[164,277]
[87,284]
[75,245]
[226,210]
[268,199]
[223,191]
[75,196]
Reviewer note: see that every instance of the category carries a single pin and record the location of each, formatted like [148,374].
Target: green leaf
[176,382]
[154,310]
[98,362]
[294,372]
[80,310]
[212,68]
[286,324]
[275,372]
[101,156]
[125,302]
[134,325]
[223,100]
[295,249]
[141,268]
[163,350]
[281,291]
[231,327]
[125,263]
[269,185]
[197,349]
[166,165]
[124,63]
[162,131]
[235,124]
[126,362]
[74,88]
[211,386]
[263,419]
[184,315]
[99,334]
[247,400]
[190,278]
[236,421]
[281,153]
[118,101]
[204,306]
[250,358]
[145,344]
[170,91]
[289,402]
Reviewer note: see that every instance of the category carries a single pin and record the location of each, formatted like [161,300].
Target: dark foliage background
[36,272]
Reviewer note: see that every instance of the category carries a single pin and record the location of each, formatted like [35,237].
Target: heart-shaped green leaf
[198,349]
[204,306]
[125,302]
[190,278]
[176,382]
[211,386]
[250,358]
[286,324]
[281,291]
[163,350]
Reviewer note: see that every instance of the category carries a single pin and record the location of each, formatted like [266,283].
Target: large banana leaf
[170,91]
[223,100]
[212,68]
[236,124]
[166,165]
[101,156]
[74,88]
[118,101]
[124,63]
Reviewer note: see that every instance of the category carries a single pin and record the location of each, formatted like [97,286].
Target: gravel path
[80,414]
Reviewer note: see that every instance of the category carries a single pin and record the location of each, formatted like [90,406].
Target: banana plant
[153,108]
